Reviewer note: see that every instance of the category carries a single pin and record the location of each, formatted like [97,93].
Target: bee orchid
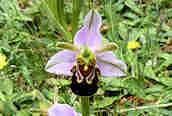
[61,110]
[87,58]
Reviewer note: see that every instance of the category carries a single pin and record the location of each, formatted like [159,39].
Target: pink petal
[94,41]
[97,20]
[81,37]
[108,70]
[61,110]
[90,37]
[62,69]
[61,63]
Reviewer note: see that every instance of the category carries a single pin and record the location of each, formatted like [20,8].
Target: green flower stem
[85,105]
[90,4]
[2,108]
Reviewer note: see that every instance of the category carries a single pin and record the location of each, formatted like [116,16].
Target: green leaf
[75,15]
[56,8]
[27,76]
[155,88]
[131,15]
[60,82]
[148,72]
[166,63]
[123,30]
[166,81]
[44,106]
[169,12]
[9,109]
[112,83]
[168,34]
[135,87]
[48,94]
[132,5]
[4,43]
[119,5]
[23,113]
[166,27]
[102,102]
[133,113]
[8,86]
[2,97]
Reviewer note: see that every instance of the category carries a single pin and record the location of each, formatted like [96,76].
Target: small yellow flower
[3,61]
[133,45]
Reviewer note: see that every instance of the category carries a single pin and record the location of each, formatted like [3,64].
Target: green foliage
[28,36]
[76,9]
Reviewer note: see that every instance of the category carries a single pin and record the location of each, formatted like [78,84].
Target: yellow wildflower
[133,45]
[3,61]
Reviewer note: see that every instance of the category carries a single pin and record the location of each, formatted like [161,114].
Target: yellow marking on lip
[79,80]
[85,67]
[88,81]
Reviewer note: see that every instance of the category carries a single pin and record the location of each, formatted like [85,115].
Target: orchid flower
[87,58]
[61,110]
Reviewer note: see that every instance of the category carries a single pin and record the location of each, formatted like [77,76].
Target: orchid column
[86,60]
